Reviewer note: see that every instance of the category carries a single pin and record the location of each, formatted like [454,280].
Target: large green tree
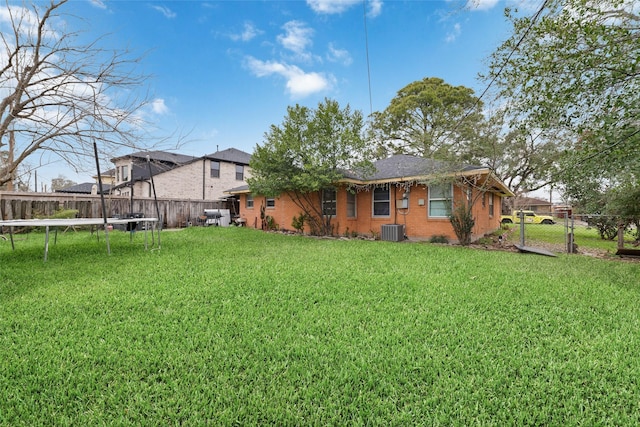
[428,118]
[307,154]
[572,72]
[523,159]
[431,118]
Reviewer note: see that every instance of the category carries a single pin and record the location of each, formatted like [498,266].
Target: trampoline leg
[46,243]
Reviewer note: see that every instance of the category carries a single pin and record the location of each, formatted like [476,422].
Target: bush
[60,214]
[462,222]
[270,223]
[607,226]
[485,241]
[298,222]
[438,239]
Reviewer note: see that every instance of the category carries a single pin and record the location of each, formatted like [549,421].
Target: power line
[604,150]
[502,67]
[366,42]
[504,64]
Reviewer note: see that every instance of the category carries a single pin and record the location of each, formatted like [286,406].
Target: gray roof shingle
[231,155]
[83,188]
[403,165]
[159,156]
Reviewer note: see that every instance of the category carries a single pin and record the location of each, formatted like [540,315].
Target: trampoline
[105,221]
[74,222]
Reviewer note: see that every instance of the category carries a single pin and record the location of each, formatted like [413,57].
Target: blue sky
[224,71]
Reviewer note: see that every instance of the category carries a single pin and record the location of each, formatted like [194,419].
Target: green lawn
[232,326]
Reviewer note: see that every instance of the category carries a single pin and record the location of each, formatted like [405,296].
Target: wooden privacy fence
[175,213]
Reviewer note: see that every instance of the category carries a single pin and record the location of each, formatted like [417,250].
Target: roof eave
[500,187]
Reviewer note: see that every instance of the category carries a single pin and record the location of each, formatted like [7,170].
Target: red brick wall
[417,223]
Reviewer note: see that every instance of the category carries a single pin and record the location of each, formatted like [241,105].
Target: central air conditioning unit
[392,232]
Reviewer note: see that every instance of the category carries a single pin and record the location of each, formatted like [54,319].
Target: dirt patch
[502,245]
[503,242]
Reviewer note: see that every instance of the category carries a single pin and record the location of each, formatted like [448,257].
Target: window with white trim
[440,200]
[381,201]
[271,202]
[239,173]
[249,201]
[124,173]
[351,204]
[490,204]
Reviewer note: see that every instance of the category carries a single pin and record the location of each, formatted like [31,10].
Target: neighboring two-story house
[180,176]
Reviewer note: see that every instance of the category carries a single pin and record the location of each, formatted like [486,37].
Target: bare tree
[58,95]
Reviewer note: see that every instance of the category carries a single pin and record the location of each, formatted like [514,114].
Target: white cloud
[329,7]
[375,8]
[297,37]
[168,13]
[248,33]
[481,4]
[24,20]
[339,55]
[454,33]
[159,107]
[299,83]
[98,3]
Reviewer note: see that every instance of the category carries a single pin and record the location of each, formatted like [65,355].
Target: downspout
[204,170]
[392,205]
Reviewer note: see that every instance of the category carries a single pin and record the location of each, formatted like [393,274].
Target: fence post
[620,235]
[521,216]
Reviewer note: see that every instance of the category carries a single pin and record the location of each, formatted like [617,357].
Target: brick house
[181,176]
[404,190]
[536,205]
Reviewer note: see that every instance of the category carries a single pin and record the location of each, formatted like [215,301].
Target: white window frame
[239,173]
[381,202]
[270,202]
[248,203]
[433,200]
[490,205]
[352,206]
[124,173]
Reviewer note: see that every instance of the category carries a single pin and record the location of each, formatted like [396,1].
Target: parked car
[530,217]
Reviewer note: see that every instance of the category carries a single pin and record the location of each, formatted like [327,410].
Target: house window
[239,173]
[381,201]
[215,169]
[490,204]
[329,201]
[440,200]
[249,201]
[271,202]
[124,173]
[351,204]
